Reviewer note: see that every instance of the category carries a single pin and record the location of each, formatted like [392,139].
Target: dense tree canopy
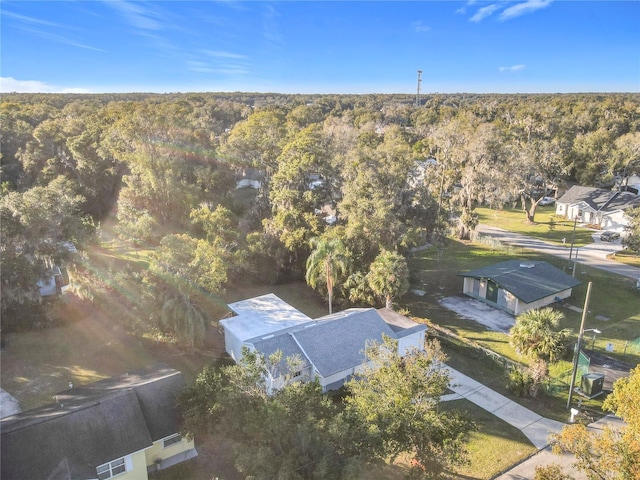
[394,176]
[296,432]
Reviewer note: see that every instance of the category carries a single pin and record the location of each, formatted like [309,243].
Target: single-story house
[330,348]
[124,426]
[597,206]
[516,286]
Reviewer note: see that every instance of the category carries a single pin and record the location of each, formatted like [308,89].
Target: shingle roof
[90,425]
[600,199]
[335,345]
[528,280]
[283,342]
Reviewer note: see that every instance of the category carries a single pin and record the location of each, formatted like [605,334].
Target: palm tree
[536,335]
[328,259]
[185,318]
[389,276]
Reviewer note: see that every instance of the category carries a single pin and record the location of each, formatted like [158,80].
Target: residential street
[593,255]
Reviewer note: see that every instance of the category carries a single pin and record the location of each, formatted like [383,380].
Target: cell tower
[419,82]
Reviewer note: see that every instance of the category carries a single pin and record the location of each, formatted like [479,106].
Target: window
[172,440]
[111,469]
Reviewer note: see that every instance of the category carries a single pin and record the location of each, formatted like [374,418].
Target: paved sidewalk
[534,426]
[526,470]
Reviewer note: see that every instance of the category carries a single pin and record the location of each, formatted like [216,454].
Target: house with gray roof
[516,286]
[124,426]
[329,348]
[597,206]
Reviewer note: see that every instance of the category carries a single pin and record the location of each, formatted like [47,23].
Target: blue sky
[521,46]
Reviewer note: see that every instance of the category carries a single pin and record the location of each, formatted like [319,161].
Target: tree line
[375,175]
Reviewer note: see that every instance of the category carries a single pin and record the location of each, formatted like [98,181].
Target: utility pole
[573,238]
[576,354]
[418,93]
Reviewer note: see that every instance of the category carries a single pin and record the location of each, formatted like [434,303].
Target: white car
[547,201]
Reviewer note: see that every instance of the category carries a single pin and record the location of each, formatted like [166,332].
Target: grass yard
[494,448]
[547,226]
[627,258]
[88,346]
[614,309]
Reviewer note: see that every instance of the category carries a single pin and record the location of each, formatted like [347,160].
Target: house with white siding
[330,348]
[597,206]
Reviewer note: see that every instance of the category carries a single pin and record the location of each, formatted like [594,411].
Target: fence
[471,348]
[561,383]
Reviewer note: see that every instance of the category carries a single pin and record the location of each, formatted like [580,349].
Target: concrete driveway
[482,313]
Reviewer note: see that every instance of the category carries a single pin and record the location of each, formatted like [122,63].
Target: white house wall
[410,342]
[543,302]
[232,345]
[468,287]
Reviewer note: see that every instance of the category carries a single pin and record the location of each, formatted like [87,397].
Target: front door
[492,291]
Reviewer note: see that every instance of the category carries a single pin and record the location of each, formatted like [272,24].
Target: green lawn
[493,448]
[614,309]
[546,227]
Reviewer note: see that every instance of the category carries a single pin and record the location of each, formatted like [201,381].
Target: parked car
[547,201]
[609,236]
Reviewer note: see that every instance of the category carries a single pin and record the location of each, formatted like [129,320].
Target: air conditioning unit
[591,384]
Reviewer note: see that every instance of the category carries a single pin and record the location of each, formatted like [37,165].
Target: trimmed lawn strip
[547,226]
[494,448]
[627,258]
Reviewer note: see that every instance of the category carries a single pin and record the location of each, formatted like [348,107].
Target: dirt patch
[482,313]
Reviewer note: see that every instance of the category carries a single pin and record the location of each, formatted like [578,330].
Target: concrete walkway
[526,470]
[536,428]
[593,255]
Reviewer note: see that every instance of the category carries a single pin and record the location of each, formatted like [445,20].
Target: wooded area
[374,173]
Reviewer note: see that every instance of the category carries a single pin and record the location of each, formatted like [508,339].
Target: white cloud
[523,8]
[221,54]
[420,27]
[136,15]
[512,68]
[484,12]
[30,20]
[10,84]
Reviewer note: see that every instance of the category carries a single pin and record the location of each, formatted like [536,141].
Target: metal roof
[259,316]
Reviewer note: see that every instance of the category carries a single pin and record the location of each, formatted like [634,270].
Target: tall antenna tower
[419,82]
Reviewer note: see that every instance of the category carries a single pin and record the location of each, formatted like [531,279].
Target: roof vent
[268,336]
[527,265]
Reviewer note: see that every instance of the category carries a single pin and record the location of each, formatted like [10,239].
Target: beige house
[122,427]
[516,286]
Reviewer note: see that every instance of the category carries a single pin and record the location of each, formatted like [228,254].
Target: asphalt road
[593,255]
